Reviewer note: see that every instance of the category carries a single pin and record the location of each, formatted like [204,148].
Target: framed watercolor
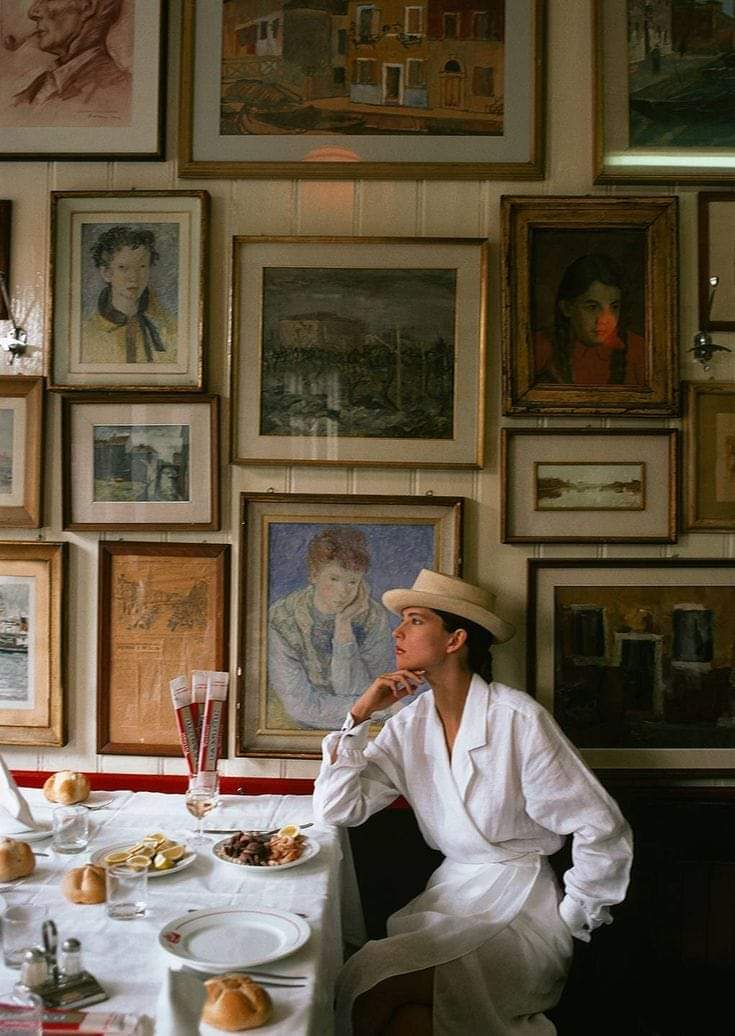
[163,610]
[21,452]
[589,486]
[635,657]
[664,93]
[5,210]
[127,290]
[335,339]
[716,227]
[135,461]
[32,643]
[313,570]
[589,299]
[709,456]
[88,87]
[438,94]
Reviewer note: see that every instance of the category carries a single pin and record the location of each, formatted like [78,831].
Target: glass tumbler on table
[126,891]
[71,829]
[20,928]
[202,795]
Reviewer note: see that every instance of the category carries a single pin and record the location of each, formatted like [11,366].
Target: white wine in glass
[201,799]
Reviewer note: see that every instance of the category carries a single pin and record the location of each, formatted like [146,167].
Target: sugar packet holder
[185,722]
[91,1023]
[214,711]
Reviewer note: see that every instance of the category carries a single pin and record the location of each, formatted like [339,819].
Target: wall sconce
[16,342]
[704,348]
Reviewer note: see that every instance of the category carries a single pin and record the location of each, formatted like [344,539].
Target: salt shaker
[34,968]
[71,957]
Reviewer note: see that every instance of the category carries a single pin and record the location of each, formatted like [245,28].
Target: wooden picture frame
[406,319]
[589,299]
[709,437]
[140,461]
[113,101]
[350,103]
[163,610]
[33,639]
[6,208]
[127,289]
[342,552]
[21,452]
[562,485]
[633,658]
[716,227]
[660,100]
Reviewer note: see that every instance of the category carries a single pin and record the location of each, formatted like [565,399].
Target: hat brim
[396,600]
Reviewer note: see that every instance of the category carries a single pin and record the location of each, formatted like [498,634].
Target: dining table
[128,958]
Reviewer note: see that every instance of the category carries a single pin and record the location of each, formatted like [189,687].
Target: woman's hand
[384,691]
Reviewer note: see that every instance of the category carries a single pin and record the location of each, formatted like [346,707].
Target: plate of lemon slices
[156,853]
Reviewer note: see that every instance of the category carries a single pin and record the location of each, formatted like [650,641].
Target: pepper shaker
[71,957]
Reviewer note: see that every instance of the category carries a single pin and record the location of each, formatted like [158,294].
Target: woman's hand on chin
[384,691]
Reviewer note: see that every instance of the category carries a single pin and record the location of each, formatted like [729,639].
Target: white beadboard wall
[427,208]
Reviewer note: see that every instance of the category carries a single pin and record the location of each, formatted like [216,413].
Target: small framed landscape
[635,659]
[140,461]
[568,486]
[32,623]
[21,451]
[359,351]
[127,286]
[710,456]
[313,629]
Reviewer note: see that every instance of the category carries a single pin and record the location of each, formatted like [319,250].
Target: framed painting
[163,610]
[127,290]
[352,91]
[87,85]
[21,452]
[335,339]
[140,461]
[635,659]
[5,210]
[664,107]
[716,229]
[589,486]
[709,456]
[32,644]
[313,630]
[589,298]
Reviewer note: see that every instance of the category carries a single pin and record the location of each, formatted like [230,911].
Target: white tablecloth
[125,955]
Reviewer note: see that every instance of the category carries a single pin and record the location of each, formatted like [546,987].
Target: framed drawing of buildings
[86,85]
[21,452]
[32,655]
[709,435]
[127,290]
[354,90]
[163,610]
[313,629]
[353,350]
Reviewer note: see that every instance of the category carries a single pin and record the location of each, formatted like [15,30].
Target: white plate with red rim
[311,848]
[233,938]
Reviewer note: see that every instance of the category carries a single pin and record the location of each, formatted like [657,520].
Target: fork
[263,834]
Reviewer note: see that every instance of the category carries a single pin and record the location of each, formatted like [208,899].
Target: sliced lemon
[155,835]
[118,857]
[138,847]
[167,843]
[145,850]
[138,862]
[289,831]
[162,863]
[172,853]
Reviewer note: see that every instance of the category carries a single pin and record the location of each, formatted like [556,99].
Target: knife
[237,830]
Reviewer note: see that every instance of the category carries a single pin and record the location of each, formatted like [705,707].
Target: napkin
[15,813]
[180,1004]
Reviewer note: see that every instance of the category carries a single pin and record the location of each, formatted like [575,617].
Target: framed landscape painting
[137,460]
[21,452]
[127,289]
[635,659]
[163,610]
[359,351]
[313,630]
[665,104]
[343,90]
[589,301]
[32,656]
[85,81]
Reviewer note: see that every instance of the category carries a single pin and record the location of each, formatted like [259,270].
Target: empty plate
[233,938]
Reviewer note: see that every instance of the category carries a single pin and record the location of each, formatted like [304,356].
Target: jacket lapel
[472,734]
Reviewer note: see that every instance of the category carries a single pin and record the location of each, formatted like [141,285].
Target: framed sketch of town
[355,88]
[666,91]
[334,339]
[21,451]
[32,704]
[589,486]
[140,461]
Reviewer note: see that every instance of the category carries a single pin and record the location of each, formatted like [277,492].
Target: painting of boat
[707,93]
[14,635]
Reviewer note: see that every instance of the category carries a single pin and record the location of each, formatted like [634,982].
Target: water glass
[20,927]
[21,1014]
[126,891]
[71,829]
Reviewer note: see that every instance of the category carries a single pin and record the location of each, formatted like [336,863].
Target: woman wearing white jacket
[495,786]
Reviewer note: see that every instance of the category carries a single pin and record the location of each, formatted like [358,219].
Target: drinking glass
[20,927]
[126,891]
[21,1014]
[201,797]
[71,829]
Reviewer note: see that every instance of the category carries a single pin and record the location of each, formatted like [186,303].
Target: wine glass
[202,795]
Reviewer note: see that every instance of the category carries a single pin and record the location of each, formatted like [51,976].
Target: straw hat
[449,594]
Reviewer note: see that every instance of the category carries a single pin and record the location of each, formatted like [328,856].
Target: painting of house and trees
[354,66]
[144,462]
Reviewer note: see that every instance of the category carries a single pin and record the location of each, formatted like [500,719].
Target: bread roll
[16,859]
[235,1002]
[66,787]
[85,884]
